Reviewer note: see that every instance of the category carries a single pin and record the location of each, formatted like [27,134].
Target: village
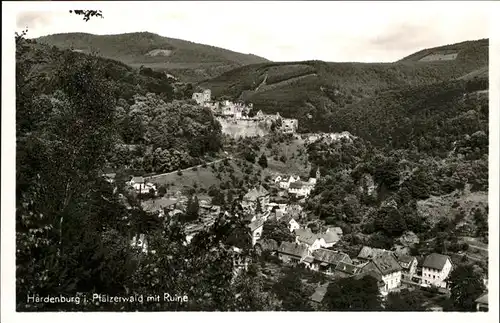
[283,202]
[394,270]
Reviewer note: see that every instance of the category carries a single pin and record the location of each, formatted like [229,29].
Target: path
[189,168]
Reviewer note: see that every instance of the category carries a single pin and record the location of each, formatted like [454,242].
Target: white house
[300,189]
[331,237]
[408,263]
[435,270]
[285,183]
[140,185]
[293,225]
[385,265]
[309,239]
[256,230]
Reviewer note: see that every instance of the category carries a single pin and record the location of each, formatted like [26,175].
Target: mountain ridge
[185,59]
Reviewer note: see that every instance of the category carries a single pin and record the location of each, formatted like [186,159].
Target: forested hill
[307,90]
[187,60]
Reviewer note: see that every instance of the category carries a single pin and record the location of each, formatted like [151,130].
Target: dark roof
[256,224]
[331,237]
[292,249]
[483,299]
[435,261]
[309,259]
[330,256]
[297,184]
[404,260]
[319,293]
[347,268]
[368,252]
[386,263]
[306,236]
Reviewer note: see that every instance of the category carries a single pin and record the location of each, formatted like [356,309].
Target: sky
[331,31]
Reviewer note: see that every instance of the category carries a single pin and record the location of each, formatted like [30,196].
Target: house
[300,189]
[140,185]
[290,252]
[327,260]
[482,303]
[367,253]
[331,237]
[256,230]
[319,293]
[257,194]
[345,269]
[435,270]
[409,265]
[309,239]
[291,223]
[285,182]
[386,265]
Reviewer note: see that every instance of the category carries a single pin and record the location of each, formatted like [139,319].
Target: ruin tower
[318,174]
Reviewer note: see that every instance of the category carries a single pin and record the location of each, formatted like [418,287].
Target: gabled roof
[309,259]
[386,263]
[306,236]
[330,257]
[347,268]
[254,225]
[292,249]
[435,261]
[483,299]
[404,260]
[331,237]
[368,252]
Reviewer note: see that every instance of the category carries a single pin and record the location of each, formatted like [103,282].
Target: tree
[263,161]
[291,291]
[277,230]
[218,198]
[192,208]
[405,301]
[466,286]
[351,294]
[87,14]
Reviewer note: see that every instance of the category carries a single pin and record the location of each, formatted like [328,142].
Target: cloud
[34,19]
[405,36]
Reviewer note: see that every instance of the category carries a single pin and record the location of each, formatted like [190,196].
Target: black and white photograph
[237,156]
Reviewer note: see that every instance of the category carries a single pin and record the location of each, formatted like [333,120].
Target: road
[189,168]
